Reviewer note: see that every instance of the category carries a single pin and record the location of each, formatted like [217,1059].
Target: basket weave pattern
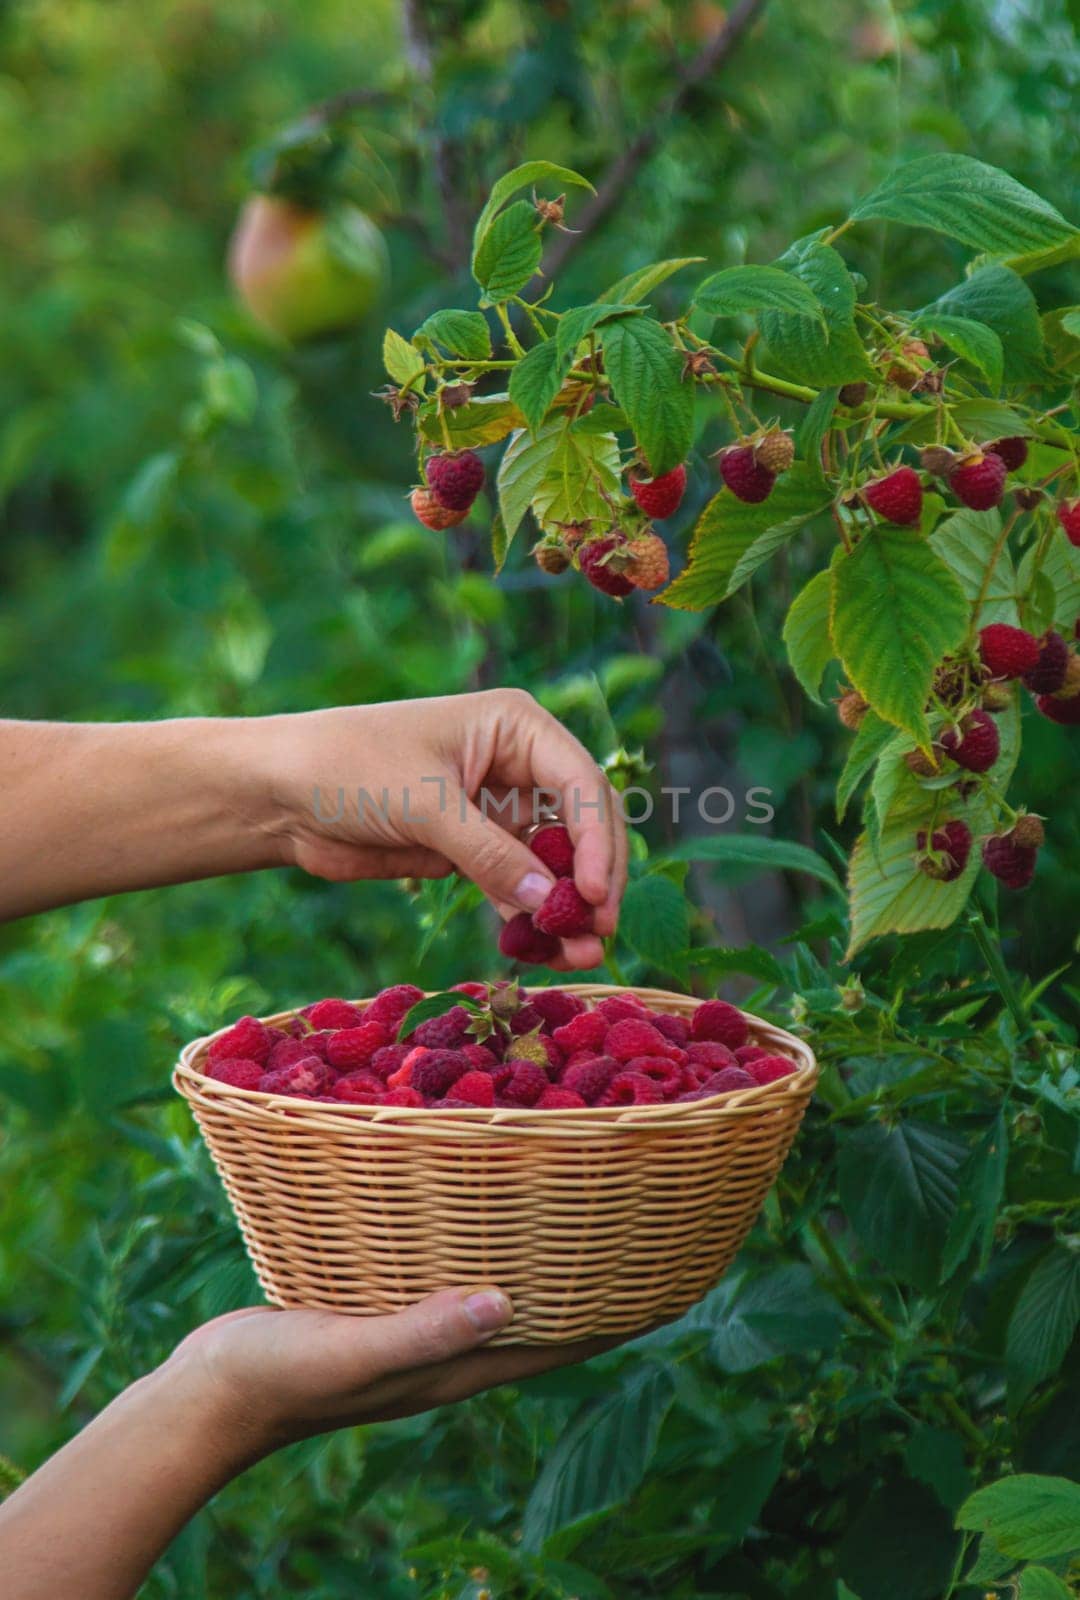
[601,1220]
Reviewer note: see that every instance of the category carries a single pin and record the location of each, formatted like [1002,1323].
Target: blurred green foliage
[195,521]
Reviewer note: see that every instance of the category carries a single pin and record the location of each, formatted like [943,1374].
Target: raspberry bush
[928,484]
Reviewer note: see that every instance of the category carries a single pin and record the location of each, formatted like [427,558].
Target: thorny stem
[861,1303]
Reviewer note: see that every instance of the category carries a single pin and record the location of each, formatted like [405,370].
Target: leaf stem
[997,969]
[861,1303]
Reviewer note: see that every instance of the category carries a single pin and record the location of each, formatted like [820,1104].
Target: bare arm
[99,808]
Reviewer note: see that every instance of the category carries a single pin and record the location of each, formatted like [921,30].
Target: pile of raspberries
[546,1051]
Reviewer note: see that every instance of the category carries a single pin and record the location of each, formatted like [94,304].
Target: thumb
[444,1325]
[497,862]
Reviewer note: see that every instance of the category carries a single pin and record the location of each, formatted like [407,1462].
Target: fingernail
[532,891]
[488,1310]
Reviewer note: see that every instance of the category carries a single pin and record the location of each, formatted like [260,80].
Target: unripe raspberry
[455,479]
[775,452]
[433,515]
[975,745]
[1027,496]
[997,696]
[948,852]
[1029,832]
[747,480]
[1070,685]
[938,459]
[647,563]
[659,497]
[853,394]
[906,369]
[979,482]
[920,764]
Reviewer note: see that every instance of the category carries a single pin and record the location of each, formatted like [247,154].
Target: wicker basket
[595,1221]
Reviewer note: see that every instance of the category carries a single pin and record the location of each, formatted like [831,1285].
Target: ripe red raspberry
[525,1084]
[427,510]
[247,1040]
[238,1074]
[648,565]
[1066,713]
[729,1079]
[1008,652]
[631,1089]
[556,1007]
[897,498]
[446,1032]
[746,1053]
[769,1069]
[1068,514]
[350,1048]
[475,991]
[403,1096]
[699,1093]
[455,479]
[436,1072]
[309,1076]
[388,1059]
[553,844]
[979,482]
[633,1037]
[744,477]
[587,1031]
[401,1077]
[333,1014]
[1011,862]
[478,1088]
[668,1074]
[390,1005]
[480,1058]
[589,1079]
[975,745]
[286,1051]
[949,851]
[1013,451]
[565,912]
[659,497]
[527,1020]
[556,1098]
[718,1021]
[1049,674]
[359,1088]
[614,1007]
[595,561]
[521,941]
[676,1030]
[711,1053]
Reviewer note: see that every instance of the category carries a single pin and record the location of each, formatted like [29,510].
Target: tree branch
[625,167]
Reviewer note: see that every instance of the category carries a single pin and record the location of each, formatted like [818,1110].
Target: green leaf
[483,421]
[509,253]
[655,920]
[1027,1515]
[782,1312]
[559,473]
[402,360]
[871,737]
[898,1188]
[601,1457]
[965,542]
[717,961]
[936,1457]
[806,634]
[637,286]
[511,183]
[745,850]
[737,289]
[1043,1322]
[577,323]
[815,425]
[460,333]
[1060,568]
[896,610]
[979,205]
[732,539]
[1003,302]
[980,1188]
[645,369]
[535,381]
[972,341]
[809,352]
[899,1545]
[1039,1583]
[433,1005]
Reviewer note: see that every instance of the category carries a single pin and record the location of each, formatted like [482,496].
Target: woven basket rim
[195,1085]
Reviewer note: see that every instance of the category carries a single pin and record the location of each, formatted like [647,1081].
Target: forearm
[94,1519]
[98,808]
